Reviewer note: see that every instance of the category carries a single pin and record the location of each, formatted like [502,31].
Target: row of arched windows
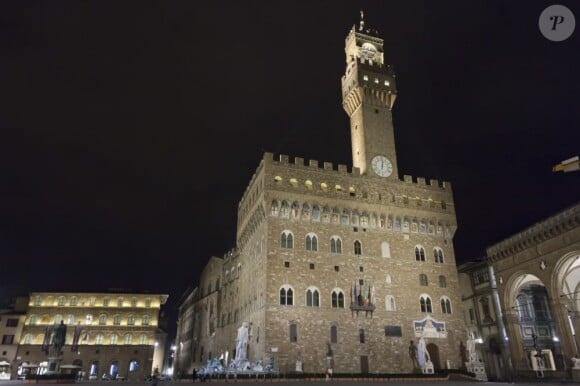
[113,339]
[70,319]
[61,301]
[425,282]
[437,254]
[311,242]
[312,299]
[354,218]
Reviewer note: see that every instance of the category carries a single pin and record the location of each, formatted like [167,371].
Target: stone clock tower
[368,95]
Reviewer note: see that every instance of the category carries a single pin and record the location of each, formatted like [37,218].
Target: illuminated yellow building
[111,334]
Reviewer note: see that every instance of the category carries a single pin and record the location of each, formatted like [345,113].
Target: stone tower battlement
[342,170]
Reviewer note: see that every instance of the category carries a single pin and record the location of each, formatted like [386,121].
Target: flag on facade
[373,295]
[46,340]
[76,337]
[355,295]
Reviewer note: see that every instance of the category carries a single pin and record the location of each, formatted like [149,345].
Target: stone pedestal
[53,365]
[428,368]
[478,369]
[298,366]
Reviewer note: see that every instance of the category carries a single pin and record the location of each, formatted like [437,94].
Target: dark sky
[130,129]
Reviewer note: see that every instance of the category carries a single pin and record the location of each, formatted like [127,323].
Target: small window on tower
[311,265]
[287,264]
[377,80]
[376,111]
[336,268]
[387,83]
[365,77]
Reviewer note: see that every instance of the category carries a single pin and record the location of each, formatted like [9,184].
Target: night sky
[130,129]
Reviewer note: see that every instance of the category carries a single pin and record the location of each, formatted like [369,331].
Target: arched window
[143,339]
[61,301]
[146,320]
[438,255]
[99,339]
[114,338]
[326,215]
[364,221]
[445,305]
[306,212]
[120,302]
[390,303]
[133,366]
[33,320]
[388,279]
[57,318]
[423,280]
[385,249]
[425,301]
[315,213]
[286,240]
[335,216]
[295,212]
[117,320]
[335,244]
[361,335]
[442,281]
[131,320]
[286,296]
[357,248]
[28,339]
[312,297]
[419,253]
[274,208]
[344,218]
[70,319]
[337,298]
[311,242]
[128,339]
[74,301]
[285,209]
[102,320]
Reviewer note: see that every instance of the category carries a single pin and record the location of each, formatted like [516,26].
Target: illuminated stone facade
[118,333]
[310,234]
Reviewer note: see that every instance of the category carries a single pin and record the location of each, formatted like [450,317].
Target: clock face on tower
[382,166]
[368,51]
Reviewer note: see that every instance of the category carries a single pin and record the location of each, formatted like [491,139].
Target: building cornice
[553,226]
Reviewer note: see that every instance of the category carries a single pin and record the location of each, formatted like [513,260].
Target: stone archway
[433,351]
[566,284]
[532,323]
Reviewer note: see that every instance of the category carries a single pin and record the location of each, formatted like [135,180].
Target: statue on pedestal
[413,356]
[299,362]
[242,344]
[58,338]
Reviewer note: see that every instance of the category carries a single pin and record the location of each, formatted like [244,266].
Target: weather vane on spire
[362,21]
